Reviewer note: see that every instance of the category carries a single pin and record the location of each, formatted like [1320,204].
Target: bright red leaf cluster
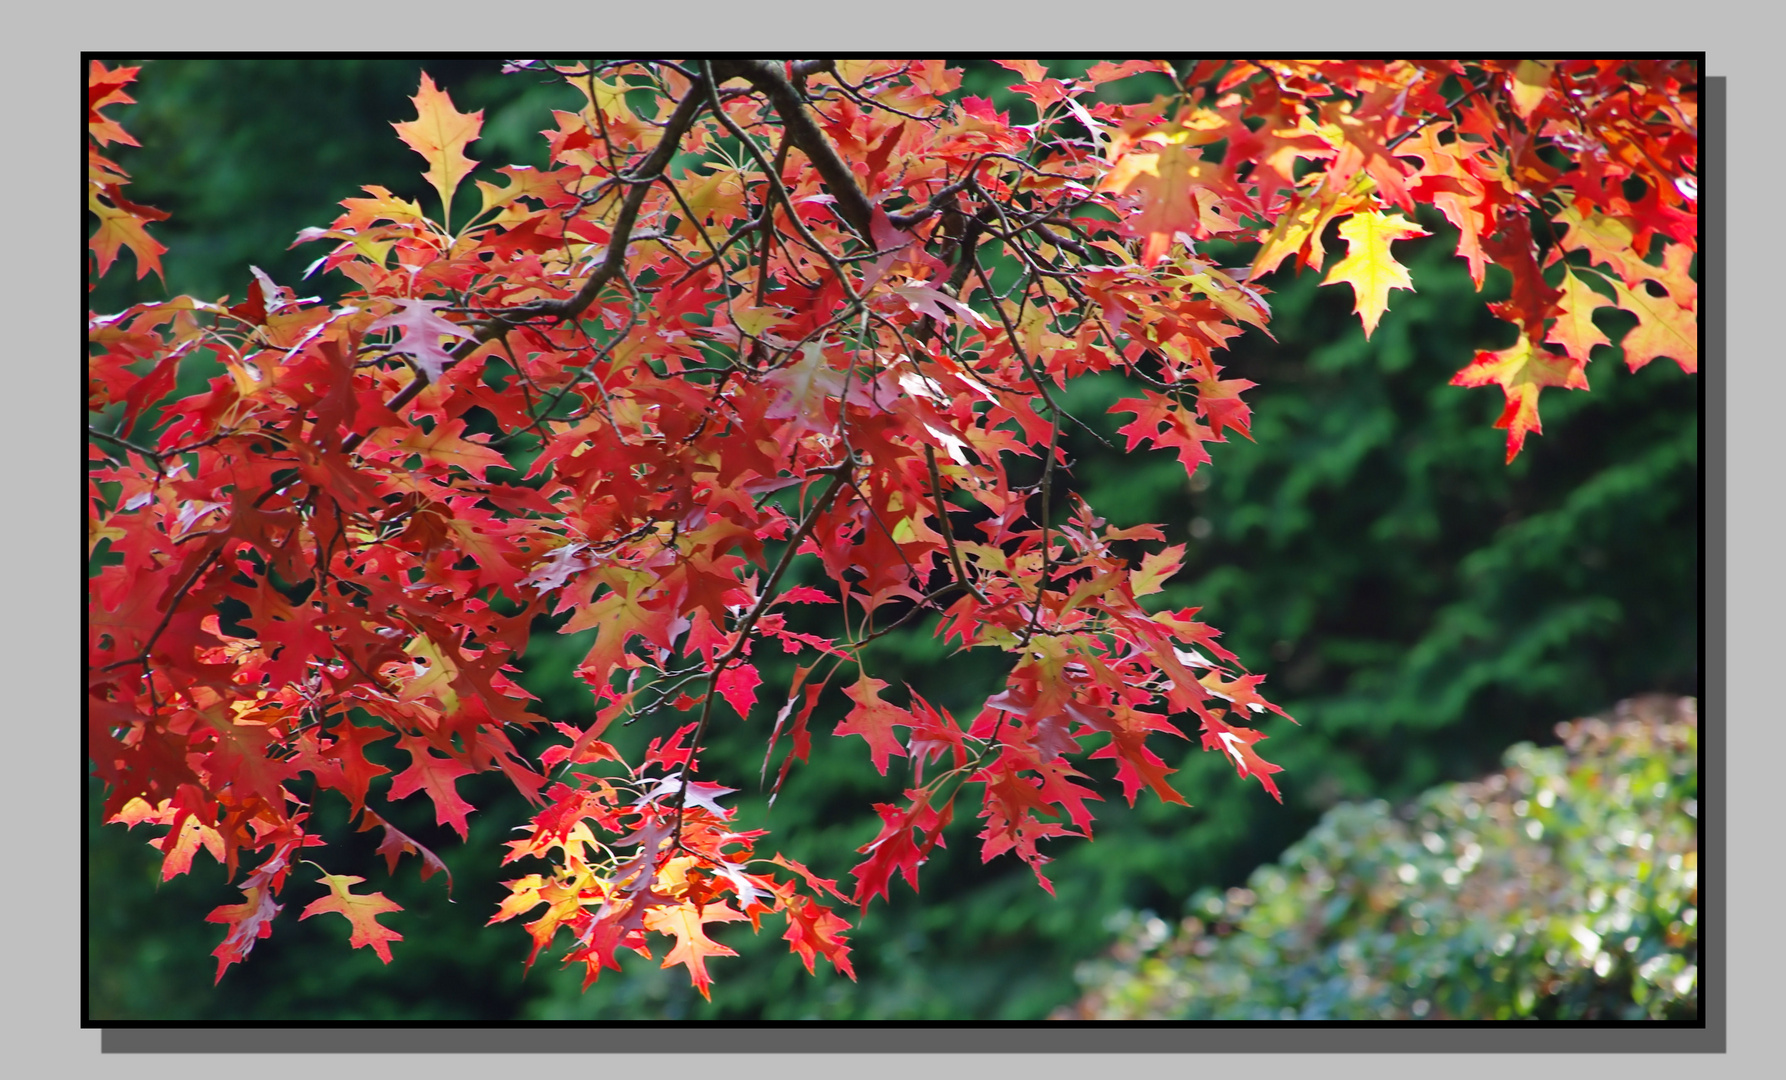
[787,313]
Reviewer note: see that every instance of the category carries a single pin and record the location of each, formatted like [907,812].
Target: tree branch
[766,75]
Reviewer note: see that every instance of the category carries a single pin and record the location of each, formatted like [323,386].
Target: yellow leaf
[436,678]
[754,320]
[1574,329]
[1664,328]
[1531,81]
[1298,229]
[1368,266]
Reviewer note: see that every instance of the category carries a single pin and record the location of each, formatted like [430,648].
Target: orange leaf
[121,225]
[1166,181]
[361,911]
[1522,372]
[1368,266]
[440,133]
[685,923]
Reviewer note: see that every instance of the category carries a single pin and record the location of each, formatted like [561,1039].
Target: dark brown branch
[766,75]
[776,186]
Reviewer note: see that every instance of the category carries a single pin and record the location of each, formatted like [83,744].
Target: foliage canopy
[768,339]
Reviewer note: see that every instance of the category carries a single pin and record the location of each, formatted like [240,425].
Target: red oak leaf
[873,719]
[1522,371]
[687,924]
[1368,266]
[435,775]
[1237,743]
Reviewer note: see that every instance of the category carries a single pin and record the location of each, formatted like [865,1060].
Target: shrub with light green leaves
[1563,888]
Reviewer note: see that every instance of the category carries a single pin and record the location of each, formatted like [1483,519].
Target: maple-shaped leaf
[1368,266]
[873,719]
[360,910]
[436,776]
[1664,328]
[421,334]
[813,930]
[1522,372]
[121,225]
[1574,328]
[686,923]
[440,133]
[1237,743]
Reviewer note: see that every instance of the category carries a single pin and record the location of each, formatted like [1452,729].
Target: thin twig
[942,517]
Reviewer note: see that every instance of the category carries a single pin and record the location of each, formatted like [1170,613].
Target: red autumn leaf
[1165,423]
[444,446]
[1174,186]
[436,776]
[814,931]
[687,397]
[396,844]
[249,921]
[1522,371]
[1218,401]
[874,719]
[738,685]
[1237,743]
[121,226]
[892,850]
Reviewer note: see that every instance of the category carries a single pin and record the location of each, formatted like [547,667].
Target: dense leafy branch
[610,391]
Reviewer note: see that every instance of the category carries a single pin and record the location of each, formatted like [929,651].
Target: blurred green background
[1418,606]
